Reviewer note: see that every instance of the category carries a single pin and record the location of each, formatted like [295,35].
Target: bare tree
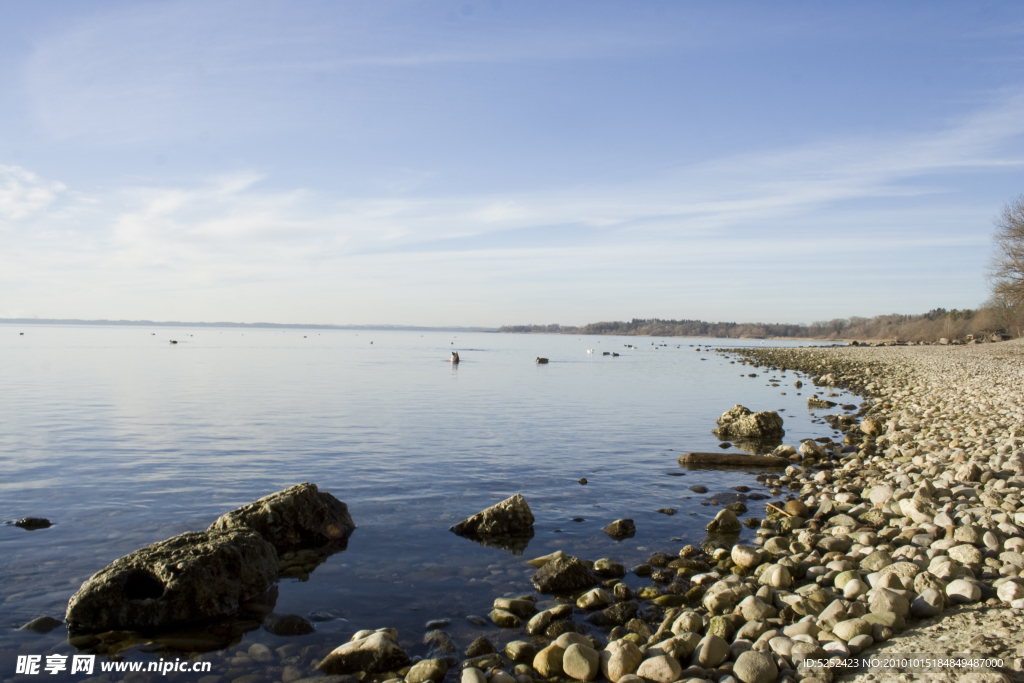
[1007,268]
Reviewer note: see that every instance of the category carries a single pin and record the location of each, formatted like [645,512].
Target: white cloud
[708,229]
[23,193]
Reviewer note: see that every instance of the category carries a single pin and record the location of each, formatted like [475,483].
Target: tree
[1007,268]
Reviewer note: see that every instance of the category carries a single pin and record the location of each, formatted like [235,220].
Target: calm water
[122,439]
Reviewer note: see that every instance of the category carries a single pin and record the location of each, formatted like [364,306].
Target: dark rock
[33,523]
[442,647]
[434,624]
[480,646]
[621,612]
[620,529]
[560,626]
[295,518]
[42,624]
[189,578]
[288,624]
[563,575]
[697,488]
[583,480]
[667,511]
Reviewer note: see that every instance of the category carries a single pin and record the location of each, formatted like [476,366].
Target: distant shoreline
[174,323]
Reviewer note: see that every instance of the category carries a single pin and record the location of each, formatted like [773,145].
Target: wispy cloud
[691,226]
[23,193]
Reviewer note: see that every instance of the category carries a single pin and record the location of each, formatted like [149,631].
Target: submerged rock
[293,519]
[189,578]
[42,625]
[33,523]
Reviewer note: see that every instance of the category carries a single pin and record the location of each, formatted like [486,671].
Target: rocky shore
[904,537]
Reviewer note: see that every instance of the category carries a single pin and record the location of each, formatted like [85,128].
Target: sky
[495,162]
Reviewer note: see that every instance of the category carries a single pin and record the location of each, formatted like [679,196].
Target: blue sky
[493,162]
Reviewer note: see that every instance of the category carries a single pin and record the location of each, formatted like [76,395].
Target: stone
[609,568]
[287,624]
[776,576]
[885,600]
[480,646]
[711,651]
[928,603]
[965,554]
[725,522]
[846,630]
[680,647]
[620,529]
[962,592]
[563,575]
[520,608]
[509,518]
[906,570]
[659,669]
[755,667]
[293,519]
[745,556]
[1010,591]
[548,661]
[596,598]
[688,622]
[880,494]
[375,653]
[741,423]
[619,658]
[872,427]
[876,561]
[33,523]
[427,670]
[581,662]
[504,619]
[858,644]
[42,625]
[189,578]
[520,651]
[471,674]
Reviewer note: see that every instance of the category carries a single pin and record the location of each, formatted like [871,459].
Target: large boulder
[190,578]
[740,423]
[563,575]
[295,518]
[374,653]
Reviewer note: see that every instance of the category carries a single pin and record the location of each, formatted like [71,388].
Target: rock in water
[42,624]
[510,517]
[288,624]
[375,653]
[741,423]
[295,518]
[33,523]
[725,522]
[192,577]
[620,529]
[563,575]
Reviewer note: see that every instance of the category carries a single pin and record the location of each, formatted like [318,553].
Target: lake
[123,439]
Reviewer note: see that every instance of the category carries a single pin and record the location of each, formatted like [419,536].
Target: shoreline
[780,593]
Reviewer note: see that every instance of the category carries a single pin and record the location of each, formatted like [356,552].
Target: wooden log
[733,460]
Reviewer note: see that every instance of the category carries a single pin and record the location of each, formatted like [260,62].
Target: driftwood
[779,510]
[733,460]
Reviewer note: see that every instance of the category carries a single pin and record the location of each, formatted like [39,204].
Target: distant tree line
[994,317]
